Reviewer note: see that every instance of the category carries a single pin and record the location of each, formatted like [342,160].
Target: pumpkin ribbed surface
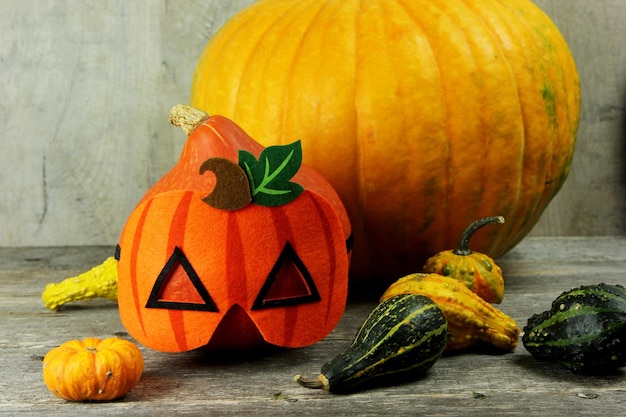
[423,114]
[93,369]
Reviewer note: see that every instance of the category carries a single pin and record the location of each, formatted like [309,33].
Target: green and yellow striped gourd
[401,339]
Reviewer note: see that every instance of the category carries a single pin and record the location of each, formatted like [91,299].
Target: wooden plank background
[86,87]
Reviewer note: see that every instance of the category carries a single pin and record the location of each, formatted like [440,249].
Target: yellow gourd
[99,281]
[471,320]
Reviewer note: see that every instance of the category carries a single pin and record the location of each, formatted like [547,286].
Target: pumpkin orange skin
[423,114]
[93,369]
[232,253]
[477,271]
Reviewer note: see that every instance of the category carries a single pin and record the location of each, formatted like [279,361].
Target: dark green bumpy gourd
[585,330]
[401,339]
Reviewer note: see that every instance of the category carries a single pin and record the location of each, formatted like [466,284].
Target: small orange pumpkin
[93,369]
[203,263]
[479,272]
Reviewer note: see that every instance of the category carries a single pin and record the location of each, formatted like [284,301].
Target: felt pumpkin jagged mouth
[235,331]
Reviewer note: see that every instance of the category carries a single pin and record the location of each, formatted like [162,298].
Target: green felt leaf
[270,176]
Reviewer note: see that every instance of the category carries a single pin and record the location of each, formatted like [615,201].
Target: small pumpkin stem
[187,117]
[320,383]
[463,248]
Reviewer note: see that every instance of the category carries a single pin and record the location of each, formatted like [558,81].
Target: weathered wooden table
[194,383]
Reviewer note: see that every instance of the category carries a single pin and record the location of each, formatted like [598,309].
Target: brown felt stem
[463,248]
[232,189]
[187,117]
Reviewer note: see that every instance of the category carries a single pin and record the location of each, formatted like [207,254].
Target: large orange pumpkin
[423,114]
[197,271]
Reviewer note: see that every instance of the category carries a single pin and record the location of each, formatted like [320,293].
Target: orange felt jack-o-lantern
[226,251]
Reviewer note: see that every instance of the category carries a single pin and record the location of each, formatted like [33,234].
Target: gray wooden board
[194,383]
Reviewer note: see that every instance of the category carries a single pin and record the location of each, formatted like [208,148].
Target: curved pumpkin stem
[463,248]
[187,117]
[232,188]
[320,383]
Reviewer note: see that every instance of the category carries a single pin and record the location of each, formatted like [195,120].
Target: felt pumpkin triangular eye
[178,287]
[289,283]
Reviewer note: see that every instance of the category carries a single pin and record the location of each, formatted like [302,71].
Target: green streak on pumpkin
[549,100]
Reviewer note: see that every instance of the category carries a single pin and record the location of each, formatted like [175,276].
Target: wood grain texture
[86,88]
[260,383]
